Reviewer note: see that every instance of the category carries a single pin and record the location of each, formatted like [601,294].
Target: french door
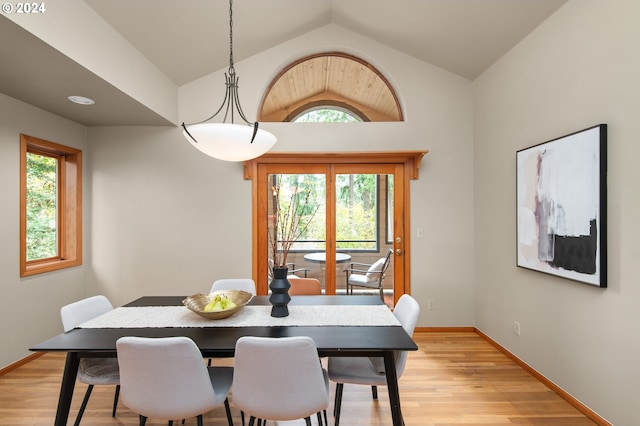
[355,211]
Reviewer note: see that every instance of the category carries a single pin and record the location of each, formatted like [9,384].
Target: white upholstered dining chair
[279,379]
[165,378]
[244,284]
[92,371]
[366,371]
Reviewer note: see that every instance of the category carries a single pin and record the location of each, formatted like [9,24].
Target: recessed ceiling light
[81,100]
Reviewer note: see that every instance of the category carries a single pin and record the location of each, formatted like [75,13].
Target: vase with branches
[288,222]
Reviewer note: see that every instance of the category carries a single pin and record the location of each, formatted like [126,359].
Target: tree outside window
[42,206]
[356,210]
[326,115]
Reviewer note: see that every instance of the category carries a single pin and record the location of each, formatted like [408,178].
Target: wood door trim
[409,160]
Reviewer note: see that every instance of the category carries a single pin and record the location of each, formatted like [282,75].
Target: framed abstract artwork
[562,206]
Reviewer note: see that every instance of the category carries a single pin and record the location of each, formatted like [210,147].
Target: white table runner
[249,316]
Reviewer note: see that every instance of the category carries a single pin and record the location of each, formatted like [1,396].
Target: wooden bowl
[197,302]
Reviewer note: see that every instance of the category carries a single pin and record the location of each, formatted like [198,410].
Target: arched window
[326,114]
[332,81]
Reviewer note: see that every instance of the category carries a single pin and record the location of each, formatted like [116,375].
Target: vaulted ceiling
[188,39]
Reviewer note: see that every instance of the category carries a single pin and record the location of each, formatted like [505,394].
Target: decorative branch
[290,223]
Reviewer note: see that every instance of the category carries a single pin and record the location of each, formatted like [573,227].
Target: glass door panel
[364,233]
[296,223]
[354,212]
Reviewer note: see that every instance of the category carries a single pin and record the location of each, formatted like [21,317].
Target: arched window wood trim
[285,110]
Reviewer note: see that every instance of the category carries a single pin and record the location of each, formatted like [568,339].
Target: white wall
[578,69]
[166,219]
[30,307]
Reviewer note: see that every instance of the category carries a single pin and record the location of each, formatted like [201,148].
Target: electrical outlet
[516,328]
[431,304]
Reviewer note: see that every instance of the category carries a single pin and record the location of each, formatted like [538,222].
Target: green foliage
[294,207]
[326,115]
[356,216]
[361,226]
[356,210]
[42,241]
[354,189]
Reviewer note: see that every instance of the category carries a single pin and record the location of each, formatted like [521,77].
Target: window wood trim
[69,206]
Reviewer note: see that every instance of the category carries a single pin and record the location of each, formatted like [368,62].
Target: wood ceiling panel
[334,78]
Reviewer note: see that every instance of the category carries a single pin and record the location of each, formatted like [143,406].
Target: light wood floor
[455,378]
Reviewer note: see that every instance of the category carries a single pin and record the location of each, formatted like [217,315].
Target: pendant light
[229,141]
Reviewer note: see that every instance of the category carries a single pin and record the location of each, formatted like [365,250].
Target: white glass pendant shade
[229,142]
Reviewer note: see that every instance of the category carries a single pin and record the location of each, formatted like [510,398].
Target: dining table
[333,336]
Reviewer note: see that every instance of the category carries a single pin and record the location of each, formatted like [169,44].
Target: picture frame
[561,209]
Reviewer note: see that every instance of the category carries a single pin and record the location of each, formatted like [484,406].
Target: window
[50,206]
[308,192]
[327,114]
[357,212]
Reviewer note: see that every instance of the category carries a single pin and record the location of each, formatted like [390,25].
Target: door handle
[398,251]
